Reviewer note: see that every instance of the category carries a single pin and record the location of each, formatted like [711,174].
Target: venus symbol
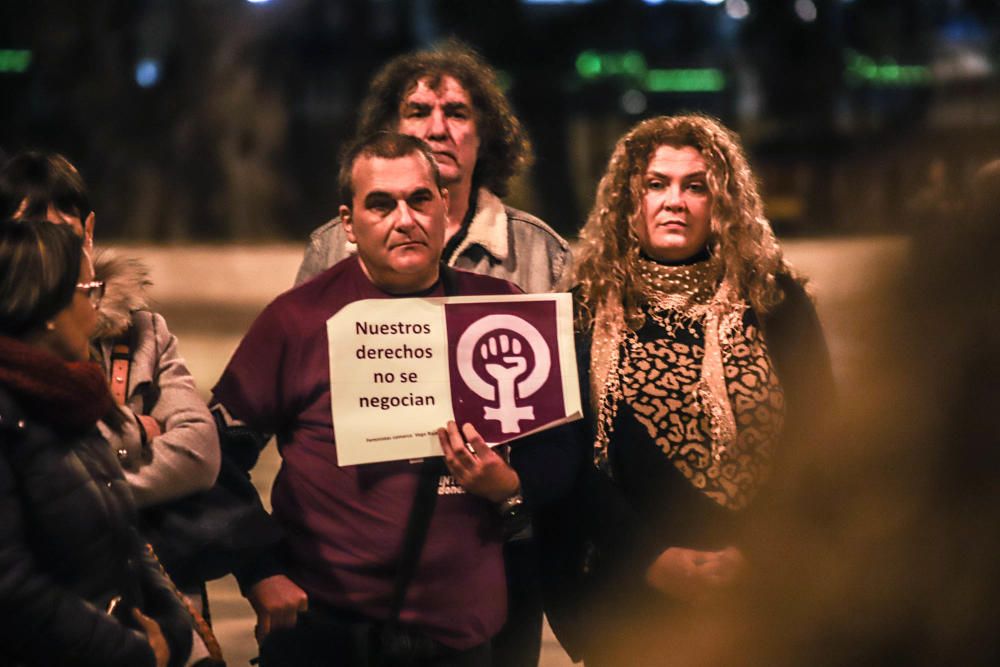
[506,364]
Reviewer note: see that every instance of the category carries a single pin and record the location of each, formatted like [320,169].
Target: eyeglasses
[94,290]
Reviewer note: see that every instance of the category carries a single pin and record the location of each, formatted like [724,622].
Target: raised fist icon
[498,341]
[505,364]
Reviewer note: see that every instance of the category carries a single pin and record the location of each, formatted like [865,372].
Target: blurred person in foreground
[167,445]
[699,352]
[328,594]
[77,585]
[450,98]
[880,545]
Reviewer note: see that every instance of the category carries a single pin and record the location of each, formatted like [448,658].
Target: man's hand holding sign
[475,466]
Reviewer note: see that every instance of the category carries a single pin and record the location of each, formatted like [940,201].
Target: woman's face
[677,205]
[72,327]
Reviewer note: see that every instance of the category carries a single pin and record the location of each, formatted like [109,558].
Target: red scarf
[69,395]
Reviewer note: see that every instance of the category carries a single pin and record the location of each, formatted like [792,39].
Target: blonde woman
[700,353]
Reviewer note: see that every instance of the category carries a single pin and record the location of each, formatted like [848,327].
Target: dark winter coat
[68,548]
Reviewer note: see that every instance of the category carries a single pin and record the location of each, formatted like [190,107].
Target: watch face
[515,520]
[511,502]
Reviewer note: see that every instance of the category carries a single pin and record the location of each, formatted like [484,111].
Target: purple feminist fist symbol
[505,364]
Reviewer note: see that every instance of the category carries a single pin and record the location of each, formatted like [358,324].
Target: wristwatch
[514,514]
[511,503]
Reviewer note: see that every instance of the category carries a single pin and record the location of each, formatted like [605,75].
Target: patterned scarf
[692,420]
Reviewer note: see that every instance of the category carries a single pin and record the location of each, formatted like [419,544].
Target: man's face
[397,219]
[444,118]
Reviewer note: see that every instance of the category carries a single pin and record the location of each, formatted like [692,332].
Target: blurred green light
[633,63]
[862,69]
[708,80]
[14,60]
[916,74]
[613,64]
[504,80]
[588,64]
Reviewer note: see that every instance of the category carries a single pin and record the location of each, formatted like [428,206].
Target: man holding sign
[326,596]
[451,98]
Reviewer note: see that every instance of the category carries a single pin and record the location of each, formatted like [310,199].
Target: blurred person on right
[699,352]
[78,585]
[879,544]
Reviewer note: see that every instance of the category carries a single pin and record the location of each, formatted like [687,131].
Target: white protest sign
[402,368]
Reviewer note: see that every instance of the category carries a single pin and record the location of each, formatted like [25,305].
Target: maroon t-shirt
[344,525]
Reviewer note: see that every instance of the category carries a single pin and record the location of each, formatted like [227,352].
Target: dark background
[220,120]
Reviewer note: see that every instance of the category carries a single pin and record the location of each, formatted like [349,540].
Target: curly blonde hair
[740,236]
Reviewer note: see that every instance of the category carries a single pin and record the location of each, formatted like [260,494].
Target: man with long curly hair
[449,97]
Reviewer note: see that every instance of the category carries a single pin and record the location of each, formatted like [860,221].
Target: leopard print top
[660,374]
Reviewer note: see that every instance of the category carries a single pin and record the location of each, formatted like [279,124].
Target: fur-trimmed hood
[126,280]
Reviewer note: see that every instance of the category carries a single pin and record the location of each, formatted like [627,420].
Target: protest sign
[402,368]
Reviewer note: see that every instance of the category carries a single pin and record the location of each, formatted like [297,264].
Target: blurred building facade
[222,120]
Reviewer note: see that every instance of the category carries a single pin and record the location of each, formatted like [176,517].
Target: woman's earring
[51,326]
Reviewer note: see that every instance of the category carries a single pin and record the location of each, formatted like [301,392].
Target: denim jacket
[501,241]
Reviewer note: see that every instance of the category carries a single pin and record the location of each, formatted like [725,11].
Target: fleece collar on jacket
[126,280]
[488,228]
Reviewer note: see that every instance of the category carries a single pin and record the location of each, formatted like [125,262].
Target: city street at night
[758,431]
